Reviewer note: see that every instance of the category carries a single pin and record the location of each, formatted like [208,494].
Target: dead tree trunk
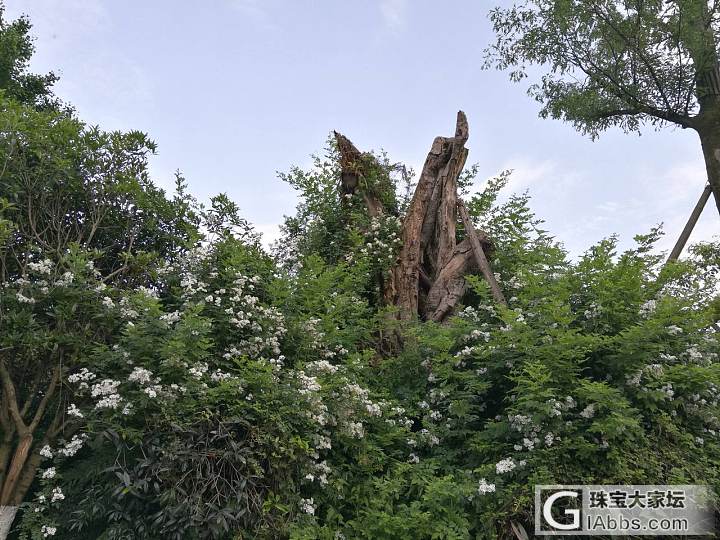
[427,280]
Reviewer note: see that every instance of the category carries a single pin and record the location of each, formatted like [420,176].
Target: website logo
[651,510]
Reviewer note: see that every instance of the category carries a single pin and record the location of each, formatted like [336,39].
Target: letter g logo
[547,512]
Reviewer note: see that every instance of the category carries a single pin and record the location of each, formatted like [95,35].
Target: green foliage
[187,384]
[612,62]
[16,48]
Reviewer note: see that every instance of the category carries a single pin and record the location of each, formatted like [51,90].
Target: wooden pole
[480,257]
[690,225]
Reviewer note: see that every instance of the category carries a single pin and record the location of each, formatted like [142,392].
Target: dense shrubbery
[180,382]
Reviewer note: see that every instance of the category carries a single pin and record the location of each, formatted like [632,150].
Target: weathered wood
[449,286]
[402,287]
[441,243]
[519,531]
[480,258]
[352,171]
[7,516]
[690,225]
[428,277]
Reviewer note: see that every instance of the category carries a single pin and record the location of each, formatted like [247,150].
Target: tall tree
[623,63]
[16,49]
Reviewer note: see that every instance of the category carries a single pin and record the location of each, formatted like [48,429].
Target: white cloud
[257,14]
[394,13]
[270,233]
[61,22]
[542,178]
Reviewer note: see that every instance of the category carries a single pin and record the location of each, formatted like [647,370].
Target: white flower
[307,506]
[322,366]
[484,487]
[198,370]
[140,375]
[170,318]
[43,267]
[413,458]
[589,411]
[46,452]
[108,302]
[57,495]
[323,443]
[66,279]
[505,465]
[71,448]
[48,473]
[308,384]
[219,375]
[648,307]
[82,376]
[126,311]
[674,330]
[355,429]
[373,409]
[150,293]
[46,531]
[73,410]
[107,389]
[24,299]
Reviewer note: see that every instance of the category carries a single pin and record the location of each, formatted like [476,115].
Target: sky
[234,91]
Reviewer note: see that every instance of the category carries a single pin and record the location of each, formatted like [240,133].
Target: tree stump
[427,279]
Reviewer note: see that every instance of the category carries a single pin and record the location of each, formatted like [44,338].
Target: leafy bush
[163,376]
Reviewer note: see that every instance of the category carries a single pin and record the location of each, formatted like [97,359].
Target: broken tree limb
[480,258]
[355,168]
[690,225]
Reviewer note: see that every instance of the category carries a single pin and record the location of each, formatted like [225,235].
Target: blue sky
[235,90]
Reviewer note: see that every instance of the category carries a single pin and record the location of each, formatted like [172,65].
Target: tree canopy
[619,63]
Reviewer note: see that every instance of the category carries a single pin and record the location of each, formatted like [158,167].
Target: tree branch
[9,389]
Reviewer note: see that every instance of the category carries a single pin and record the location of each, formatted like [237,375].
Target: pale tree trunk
[7,516]
[710,140]
[703,49]
[427,280]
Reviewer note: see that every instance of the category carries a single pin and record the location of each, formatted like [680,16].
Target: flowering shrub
[164,377]
[230,394]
